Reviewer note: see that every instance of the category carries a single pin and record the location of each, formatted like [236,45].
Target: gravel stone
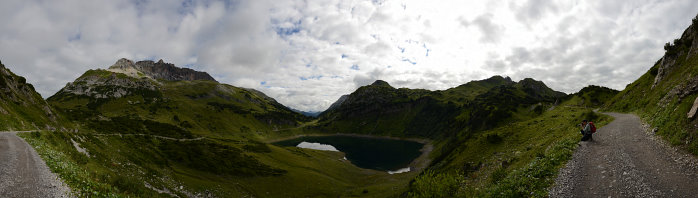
[626,159]
[23,173]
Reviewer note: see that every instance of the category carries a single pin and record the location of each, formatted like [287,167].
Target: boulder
[692,112]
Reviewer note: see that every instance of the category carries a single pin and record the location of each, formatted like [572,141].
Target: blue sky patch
[283,32]
[354,67]
[409,61]
[317,77]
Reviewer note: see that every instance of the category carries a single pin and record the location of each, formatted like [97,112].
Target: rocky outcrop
[686,45]
[158,70]
[105,84]
[692,113]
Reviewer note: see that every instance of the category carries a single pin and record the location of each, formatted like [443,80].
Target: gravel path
[626,160]
[23,173]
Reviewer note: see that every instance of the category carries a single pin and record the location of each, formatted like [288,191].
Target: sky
[307,53]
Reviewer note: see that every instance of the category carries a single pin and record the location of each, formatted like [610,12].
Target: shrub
[493,138]
[431,184]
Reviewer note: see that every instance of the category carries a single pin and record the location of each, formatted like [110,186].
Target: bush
[36,134]
[431,184]
[493,138]
[497,175]
[589,115]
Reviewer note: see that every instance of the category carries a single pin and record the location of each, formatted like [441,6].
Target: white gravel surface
[626,161]
[23,173]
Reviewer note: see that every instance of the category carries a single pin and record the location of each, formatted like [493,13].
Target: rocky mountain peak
[157,70]
[122,64]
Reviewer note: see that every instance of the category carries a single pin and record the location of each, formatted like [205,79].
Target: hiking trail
[23,173]
[626,160]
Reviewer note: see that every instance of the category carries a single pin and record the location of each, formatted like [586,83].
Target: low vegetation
[520,159]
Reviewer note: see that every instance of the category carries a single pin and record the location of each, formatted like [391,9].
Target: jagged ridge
[158,70]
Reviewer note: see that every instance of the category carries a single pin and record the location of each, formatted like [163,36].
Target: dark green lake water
[371,153]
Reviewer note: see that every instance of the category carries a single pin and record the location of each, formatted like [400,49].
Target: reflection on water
[381,154]
[317,146]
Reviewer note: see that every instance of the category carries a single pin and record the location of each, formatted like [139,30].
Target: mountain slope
[591,96]
[665,96]
[179,102]
[143,135]
[21,107]
[381,109]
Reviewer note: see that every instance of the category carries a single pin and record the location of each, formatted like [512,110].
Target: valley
[153,129]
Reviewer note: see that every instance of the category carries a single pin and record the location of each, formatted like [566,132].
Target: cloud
[306,54]
[490,31]
[533,10]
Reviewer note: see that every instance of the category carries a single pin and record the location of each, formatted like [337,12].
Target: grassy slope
[474,106]
[517,159]
[118,166]
[591,96]
[203,108]
[21,107]
[233,120]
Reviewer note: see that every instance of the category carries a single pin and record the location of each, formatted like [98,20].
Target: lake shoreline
[420,140]
[418,164]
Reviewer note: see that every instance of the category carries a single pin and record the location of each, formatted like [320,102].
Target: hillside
[666,95]
[591,96]
[22,108]
[180,133]
[159,98]
[150,129]
[380,109]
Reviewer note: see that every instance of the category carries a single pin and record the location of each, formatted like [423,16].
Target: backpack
[593,127]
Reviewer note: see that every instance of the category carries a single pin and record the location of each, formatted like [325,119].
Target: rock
[655,130]
[692,112]
[168,71]
[157,70]
[93,86]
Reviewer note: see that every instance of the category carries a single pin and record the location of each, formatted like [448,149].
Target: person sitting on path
[586,130]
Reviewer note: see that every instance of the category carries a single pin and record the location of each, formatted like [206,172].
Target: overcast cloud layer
[308,53]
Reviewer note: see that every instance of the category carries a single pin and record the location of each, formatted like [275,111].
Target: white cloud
[308,53]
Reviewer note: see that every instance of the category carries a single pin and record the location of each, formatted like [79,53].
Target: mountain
[154,95]
[158,70]
[665,96]
[313,114]
[21,107]
[381,109]
[592,96]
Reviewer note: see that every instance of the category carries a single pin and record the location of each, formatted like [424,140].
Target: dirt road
[626,161]
[23,173]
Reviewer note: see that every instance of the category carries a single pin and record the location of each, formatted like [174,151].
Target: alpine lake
[375,153]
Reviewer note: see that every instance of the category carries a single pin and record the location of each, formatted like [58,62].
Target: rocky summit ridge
[157,70]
